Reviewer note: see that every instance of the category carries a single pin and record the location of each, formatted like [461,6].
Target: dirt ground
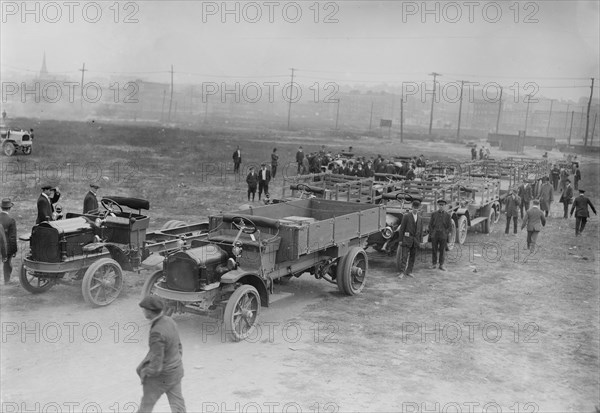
[499,331]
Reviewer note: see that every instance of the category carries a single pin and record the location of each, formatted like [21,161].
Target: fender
[463,211]
[245,277]
[116,252]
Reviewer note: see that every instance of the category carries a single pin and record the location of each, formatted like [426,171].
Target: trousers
[154,387]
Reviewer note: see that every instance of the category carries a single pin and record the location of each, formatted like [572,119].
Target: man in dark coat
[512,210]
[580,206]
[161,370]
[299,160]
[534,220]
[440,225]
[411,234]
[44,205]
[577,177]
[264,177]
[274,163]
[567,197]
[525,193]
[237,160]
[90,202]
[252,181]
[546,195]
[555,174]
[10,234]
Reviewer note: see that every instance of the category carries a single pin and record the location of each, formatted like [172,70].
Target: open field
[499,331]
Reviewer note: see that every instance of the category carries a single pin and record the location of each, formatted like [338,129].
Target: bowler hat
[152,303]
[95,186]
[441,202]
[6,203]
[581,191]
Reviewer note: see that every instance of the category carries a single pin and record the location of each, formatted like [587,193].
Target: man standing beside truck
[439,228]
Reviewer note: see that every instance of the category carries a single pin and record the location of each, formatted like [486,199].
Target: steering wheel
[244,224]
[403,196]
[108,204]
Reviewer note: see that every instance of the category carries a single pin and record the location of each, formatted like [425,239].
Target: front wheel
[8,148]
[354,267]
[452,235]
[27,150]
[102,282]
[461,229]
[241,312]
[34,283]
[148,288]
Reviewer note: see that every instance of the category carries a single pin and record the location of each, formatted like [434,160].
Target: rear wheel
[8,148]
[27,150]
[452,235]
[102,282]
[354,271]
[33,282]
[241,312]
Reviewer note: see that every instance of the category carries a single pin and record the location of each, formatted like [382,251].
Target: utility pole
[290,98]
[527,112]
[580,129]
[567,118]
[462,83]
[402,117]
[499,112]
[571,129]
[82,70]
[171,99]
[587,122]
[434,74]
[337,116]
[549,117]
[371,117]
[593,128]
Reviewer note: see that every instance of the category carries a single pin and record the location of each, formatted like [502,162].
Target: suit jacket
[260,176]
[90,203]
[274,159]
[567,195]
[252,179]
[44,208]
[10,233]
[299,157]
[164,355]
[411,233]
[237,157]
[580,206]
[3,253]
[440,225]
[512,206]
[525,193]
[534,219]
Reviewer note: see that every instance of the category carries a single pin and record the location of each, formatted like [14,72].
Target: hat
[441,202]
[263,164]
[568,181]
[536,202]
[416,204]
[582,191]
[6,203]
[46,187]
[545,179]
[95,186]
[152,303]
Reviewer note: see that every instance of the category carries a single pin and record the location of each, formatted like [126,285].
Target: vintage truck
[231,272]
[96,248]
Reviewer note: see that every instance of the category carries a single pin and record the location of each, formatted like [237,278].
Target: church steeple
[44,71]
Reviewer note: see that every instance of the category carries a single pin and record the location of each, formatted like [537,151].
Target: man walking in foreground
[567,197]
[161,370]
[580,206]
[534,220]
[439,228]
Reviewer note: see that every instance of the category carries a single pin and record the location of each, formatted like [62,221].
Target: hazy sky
[552,43]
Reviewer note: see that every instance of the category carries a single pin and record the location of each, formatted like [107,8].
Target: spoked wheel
[148,288]
[497,213]
[461,230]
[354,266]
[452,235]
[27,150]
[241,312]
[8,148]
[489,223]
[34,283]
[102,282]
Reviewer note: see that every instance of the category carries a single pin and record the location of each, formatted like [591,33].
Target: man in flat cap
[161,370]
[534,220]
[411,234]
[264,177]
[90,202]
[9,226]
[44,204]
[580,206]
[440,225]
[567,197]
